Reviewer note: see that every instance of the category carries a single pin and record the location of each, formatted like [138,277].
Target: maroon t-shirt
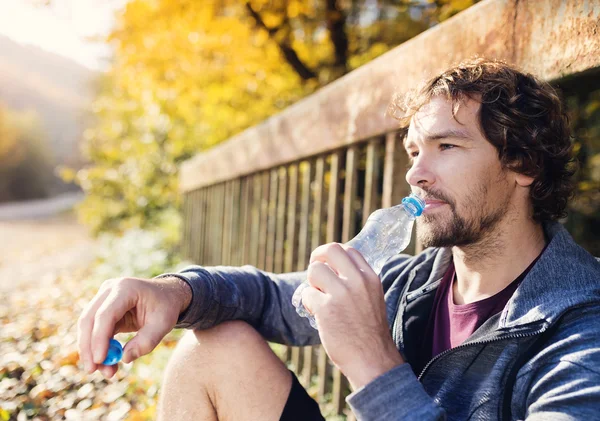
[451,324]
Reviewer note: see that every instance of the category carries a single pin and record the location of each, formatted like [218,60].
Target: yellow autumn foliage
[187,75]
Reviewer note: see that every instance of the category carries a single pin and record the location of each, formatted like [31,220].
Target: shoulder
[577,330]
[564,377]
[403,264]
[574,344]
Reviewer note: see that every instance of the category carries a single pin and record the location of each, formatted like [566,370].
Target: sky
[62,27]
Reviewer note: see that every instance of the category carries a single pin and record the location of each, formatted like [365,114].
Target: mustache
[435,195]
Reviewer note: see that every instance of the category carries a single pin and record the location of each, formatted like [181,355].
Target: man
[495,320]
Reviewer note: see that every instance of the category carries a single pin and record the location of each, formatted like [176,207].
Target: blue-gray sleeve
[261,299]
[565,391]
[563,381]
[395,395]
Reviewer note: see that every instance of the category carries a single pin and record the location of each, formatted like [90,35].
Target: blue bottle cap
[414,204]
[115,353]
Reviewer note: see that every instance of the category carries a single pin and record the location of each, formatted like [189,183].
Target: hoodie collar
[564,276]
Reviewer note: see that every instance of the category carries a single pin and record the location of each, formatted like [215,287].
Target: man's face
[458,173]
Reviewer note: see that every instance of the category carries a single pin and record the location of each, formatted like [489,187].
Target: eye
[445,146]
[411,158]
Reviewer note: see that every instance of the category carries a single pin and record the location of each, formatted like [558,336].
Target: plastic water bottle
[114,354]
[386,233]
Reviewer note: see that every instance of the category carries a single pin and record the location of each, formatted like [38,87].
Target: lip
[430,205]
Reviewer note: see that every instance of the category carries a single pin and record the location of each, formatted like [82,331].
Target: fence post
[271,220]
[264,220]
[280,230]
[291,247]
[371,179]
[339,381]
[304,235]
[316,237]
[245,214]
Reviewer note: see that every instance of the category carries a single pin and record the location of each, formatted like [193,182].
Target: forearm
[245,293]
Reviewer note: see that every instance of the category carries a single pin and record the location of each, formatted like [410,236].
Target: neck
[486,268]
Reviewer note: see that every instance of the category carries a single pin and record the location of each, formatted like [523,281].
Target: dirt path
[39,209]
[34,251]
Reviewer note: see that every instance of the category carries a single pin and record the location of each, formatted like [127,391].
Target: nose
[421,173]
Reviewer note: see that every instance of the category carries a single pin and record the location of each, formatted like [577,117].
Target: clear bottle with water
[386,233]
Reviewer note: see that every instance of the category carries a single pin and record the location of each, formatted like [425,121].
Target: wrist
[364,374]
[183,291]
[186,293]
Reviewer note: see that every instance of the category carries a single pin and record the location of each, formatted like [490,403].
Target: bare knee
[210,355]
[205,350]
[227,336]
[204,363]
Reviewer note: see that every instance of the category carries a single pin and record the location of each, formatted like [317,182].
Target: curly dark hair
[522,116]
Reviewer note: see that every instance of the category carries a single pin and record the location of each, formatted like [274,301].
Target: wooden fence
[313,173]
[273,219]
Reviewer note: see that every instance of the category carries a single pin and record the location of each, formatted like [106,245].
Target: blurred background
[102,100]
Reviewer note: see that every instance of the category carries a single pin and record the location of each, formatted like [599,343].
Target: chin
[437,242]
[428,223]
[430,234]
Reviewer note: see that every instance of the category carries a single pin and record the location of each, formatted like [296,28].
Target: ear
[523,180]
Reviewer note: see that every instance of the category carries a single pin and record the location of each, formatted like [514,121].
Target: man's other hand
[149,307]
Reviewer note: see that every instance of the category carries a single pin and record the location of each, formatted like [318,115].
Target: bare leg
[225,373]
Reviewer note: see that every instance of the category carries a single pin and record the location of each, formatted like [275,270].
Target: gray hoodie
[537,360]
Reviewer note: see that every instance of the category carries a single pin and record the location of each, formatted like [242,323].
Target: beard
[459,230]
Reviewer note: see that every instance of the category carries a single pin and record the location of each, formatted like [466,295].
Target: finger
[359,260]
[337,258]
[144,342]
[85,326]
[114,307]
[126,324]
[322,277]
[313,299]
[370,277]
[108,370]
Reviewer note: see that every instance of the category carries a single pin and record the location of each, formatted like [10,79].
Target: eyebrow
[445,134]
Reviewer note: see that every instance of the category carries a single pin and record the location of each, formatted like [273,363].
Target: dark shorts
[300,406]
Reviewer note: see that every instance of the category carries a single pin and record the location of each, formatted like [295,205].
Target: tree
[25,161]
[187,75]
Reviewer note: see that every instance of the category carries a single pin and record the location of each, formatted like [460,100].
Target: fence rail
[313,173]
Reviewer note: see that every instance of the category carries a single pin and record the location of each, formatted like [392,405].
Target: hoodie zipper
[396,329]
[483,342]
[504,337]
